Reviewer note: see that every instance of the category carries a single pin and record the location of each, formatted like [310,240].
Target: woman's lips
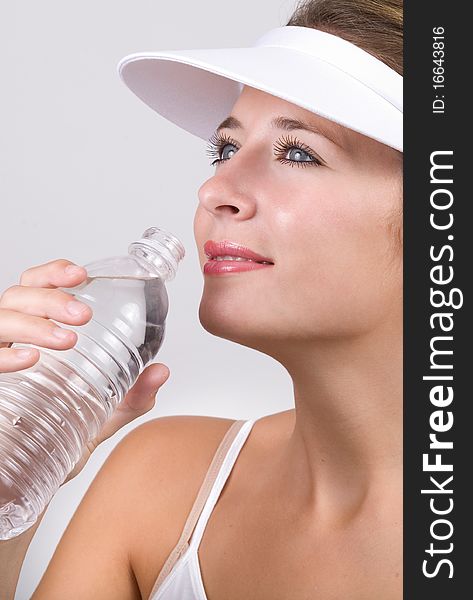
[220,255]
[213,249]
[220,267]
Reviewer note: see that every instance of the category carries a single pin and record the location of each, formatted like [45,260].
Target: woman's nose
[224,197]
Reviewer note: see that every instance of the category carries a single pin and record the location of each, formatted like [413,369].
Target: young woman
[302,504]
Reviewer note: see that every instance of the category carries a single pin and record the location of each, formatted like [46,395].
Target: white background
[85,168]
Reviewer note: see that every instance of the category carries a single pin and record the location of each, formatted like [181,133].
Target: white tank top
[180,578]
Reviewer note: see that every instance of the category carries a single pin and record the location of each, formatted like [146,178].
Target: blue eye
[230,154]
[302,156]
[298,154]
[217,145]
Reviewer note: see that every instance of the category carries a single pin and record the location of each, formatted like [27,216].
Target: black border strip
[435,137]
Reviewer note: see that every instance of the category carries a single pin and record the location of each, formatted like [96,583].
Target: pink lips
[216,267]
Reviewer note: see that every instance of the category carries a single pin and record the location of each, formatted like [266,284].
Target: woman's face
[328,216]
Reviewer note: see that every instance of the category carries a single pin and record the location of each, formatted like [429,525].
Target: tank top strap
[226,457]
[209,492]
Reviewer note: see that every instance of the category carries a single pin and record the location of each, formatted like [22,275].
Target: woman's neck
[347,441]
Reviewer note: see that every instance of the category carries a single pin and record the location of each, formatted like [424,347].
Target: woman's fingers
[57,273]
[17,359]
[45,303]
[26,313]
[21,328]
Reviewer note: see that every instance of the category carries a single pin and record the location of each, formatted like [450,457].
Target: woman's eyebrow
[286,124]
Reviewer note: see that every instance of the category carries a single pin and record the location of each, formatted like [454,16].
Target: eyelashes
[218,141]
[216,144]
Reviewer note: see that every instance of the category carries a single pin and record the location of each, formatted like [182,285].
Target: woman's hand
[25,313]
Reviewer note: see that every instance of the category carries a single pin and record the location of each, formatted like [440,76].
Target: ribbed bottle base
[47,416]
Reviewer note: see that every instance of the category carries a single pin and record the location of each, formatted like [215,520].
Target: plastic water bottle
[50,411]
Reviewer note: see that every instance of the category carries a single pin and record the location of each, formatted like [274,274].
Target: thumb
[141,396]
[138,401]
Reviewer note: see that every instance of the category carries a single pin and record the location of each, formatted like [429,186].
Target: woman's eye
[291,151]
[298,155]
[225,156]
[217,148]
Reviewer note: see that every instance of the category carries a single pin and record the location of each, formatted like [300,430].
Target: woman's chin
[231,324]
[220,322]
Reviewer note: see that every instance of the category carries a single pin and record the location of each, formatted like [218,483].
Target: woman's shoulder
[170,457]
[174,452]
[178,449]
[177,441]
